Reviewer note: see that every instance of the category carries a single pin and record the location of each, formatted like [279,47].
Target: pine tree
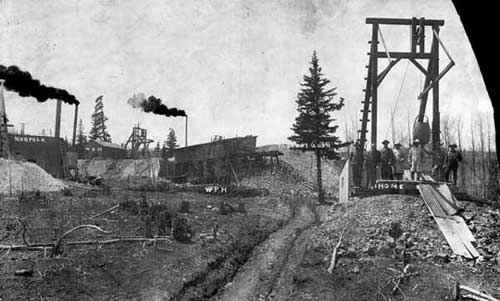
[164,152]
[171,143]
[312,128]
[98,129]
[81,139]
[157,149]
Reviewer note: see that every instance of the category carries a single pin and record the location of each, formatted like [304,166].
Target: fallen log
[25,247]
[45,246]
[475,294]
[104,212]
[57,245]
[333,261]
[116,240]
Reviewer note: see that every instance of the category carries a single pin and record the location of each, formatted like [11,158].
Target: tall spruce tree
[313,126]
[81,139]
[98,130]
[163,152]
[171,143]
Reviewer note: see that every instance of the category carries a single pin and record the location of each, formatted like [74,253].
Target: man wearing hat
[386,159]
[356,161]
[371,163]
[397,165]
[452,158]
[439,163]
[415,158]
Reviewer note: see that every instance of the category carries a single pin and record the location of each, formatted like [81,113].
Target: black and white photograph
[249,150]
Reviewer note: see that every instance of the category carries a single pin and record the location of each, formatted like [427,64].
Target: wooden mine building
[101,149]
[47,152]
[219,161]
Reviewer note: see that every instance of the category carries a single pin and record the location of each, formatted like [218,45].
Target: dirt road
[256,279]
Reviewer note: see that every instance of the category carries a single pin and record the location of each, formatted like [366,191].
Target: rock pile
[280,182]
[304,164]
[484,223]
[25,176]
[370,226]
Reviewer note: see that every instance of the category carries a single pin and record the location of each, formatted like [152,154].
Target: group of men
[392,163]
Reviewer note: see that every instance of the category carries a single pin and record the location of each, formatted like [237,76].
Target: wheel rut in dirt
[256,279]
[221,270]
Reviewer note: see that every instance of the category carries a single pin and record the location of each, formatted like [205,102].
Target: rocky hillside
[305,165]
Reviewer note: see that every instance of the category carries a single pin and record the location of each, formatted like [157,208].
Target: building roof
[108,144]
[219,141]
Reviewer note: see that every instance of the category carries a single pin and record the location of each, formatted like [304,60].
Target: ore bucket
[422,130]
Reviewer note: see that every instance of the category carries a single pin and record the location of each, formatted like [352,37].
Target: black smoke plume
[154,105]
[20,81]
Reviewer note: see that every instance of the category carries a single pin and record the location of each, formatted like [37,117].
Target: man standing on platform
[416,158]
[386,159]
[399,158]
[452,159]
[356,161]
[439,164]
[372,161]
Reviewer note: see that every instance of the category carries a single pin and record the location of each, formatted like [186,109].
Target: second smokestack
[74,125]
[57,133]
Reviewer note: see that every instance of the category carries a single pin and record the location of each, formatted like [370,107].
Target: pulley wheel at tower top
[422,130]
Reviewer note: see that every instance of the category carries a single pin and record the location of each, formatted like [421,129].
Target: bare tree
[355,124]
[447,126]
[488,124]
[393,131]
[409,130]
[401,134]
[483,176]
[473,180]
[458,128]
[351,127]
[347,130]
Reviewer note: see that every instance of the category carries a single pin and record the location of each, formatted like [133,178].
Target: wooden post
[435,98]
[374,71]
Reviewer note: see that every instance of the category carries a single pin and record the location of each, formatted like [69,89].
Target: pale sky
[233,66]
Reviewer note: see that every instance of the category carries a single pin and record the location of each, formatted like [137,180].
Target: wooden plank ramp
[442,205]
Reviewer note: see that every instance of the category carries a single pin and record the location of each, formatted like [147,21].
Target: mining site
[245,150]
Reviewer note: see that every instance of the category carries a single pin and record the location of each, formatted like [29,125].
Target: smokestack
[58,119]
[186,133]
[4,137]
[74,125]
[2,104]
